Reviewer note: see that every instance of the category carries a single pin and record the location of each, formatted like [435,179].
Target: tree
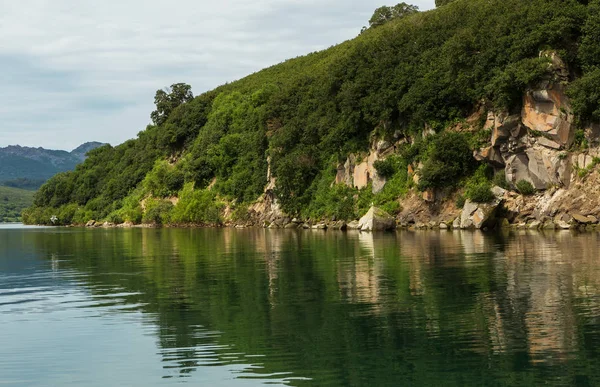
[384,14]
[166,100]
[439,3]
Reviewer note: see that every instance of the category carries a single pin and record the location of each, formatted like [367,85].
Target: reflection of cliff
[546,272]
[359,276]
[324,303]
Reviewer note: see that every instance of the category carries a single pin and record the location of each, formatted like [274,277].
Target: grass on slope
[12,202]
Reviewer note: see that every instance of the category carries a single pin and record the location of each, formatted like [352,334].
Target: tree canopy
[384,14]
[166,100]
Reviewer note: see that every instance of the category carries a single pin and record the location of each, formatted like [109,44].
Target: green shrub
[500,180]
[157,211]
[114,217]
[450,158]
[197,206]
[480,192]
[525,188]
[385,168]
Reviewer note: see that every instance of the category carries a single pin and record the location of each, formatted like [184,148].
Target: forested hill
[207,157]
[25,167]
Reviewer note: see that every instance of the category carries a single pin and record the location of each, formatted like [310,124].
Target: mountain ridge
[38,164]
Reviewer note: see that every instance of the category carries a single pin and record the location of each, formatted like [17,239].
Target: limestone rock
[376,220]
[580,218]
[548,111]
[90,223]
[339,225]
[540,166]
[478,215]
[456,223]
[353,225]
[503,129]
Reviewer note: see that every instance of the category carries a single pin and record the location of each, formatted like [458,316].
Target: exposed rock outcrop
[480,215]
[376,220]
[358,173]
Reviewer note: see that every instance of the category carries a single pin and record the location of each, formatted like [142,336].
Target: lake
[226,307]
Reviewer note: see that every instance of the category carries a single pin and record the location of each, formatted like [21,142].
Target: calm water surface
[225,307]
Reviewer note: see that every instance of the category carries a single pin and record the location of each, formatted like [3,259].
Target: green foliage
[168,99]
[479,187]
[585,95]
[12,203]
[525,188]
[157,211]
[449,159]
[197,206]
[384,14]
[589,49]
[500,179]
[331,201]
[164,180]
[389,166]
[439,3]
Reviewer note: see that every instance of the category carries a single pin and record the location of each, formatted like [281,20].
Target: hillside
[25,167]
[12,203]
[392,117]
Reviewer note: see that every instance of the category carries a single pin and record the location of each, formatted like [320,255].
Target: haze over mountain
[27,167]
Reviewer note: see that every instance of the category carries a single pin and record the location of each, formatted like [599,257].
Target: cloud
[74,71]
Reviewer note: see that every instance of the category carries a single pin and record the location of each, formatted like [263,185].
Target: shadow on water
[338,309]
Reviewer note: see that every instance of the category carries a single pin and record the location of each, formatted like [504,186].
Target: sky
[73,71]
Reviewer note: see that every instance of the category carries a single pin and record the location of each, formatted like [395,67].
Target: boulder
[491,155]
[90,223]
[478,215]
[503,129]
[339,225]
[376,220]
[582,219]
[354,225]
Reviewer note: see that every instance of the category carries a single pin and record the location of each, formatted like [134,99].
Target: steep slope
[398,110]
[27,167]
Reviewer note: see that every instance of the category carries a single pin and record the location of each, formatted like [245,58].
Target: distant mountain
[25,167]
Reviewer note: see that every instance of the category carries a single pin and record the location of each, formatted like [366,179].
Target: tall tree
[384,14]
[166,100]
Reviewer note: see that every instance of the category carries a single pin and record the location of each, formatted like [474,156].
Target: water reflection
[324,308]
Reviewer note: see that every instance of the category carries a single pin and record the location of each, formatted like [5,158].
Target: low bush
[525,188]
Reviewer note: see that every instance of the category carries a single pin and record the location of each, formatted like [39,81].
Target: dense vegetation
[307,114]
[12,203]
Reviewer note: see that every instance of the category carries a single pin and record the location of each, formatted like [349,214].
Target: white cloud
[76,70]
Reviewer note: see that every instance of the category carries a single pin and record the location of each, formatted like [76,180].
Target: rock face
[541,166]
[376,220]
[478,215]
[359,173]
[530,145]
[548,111]
[267,208]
